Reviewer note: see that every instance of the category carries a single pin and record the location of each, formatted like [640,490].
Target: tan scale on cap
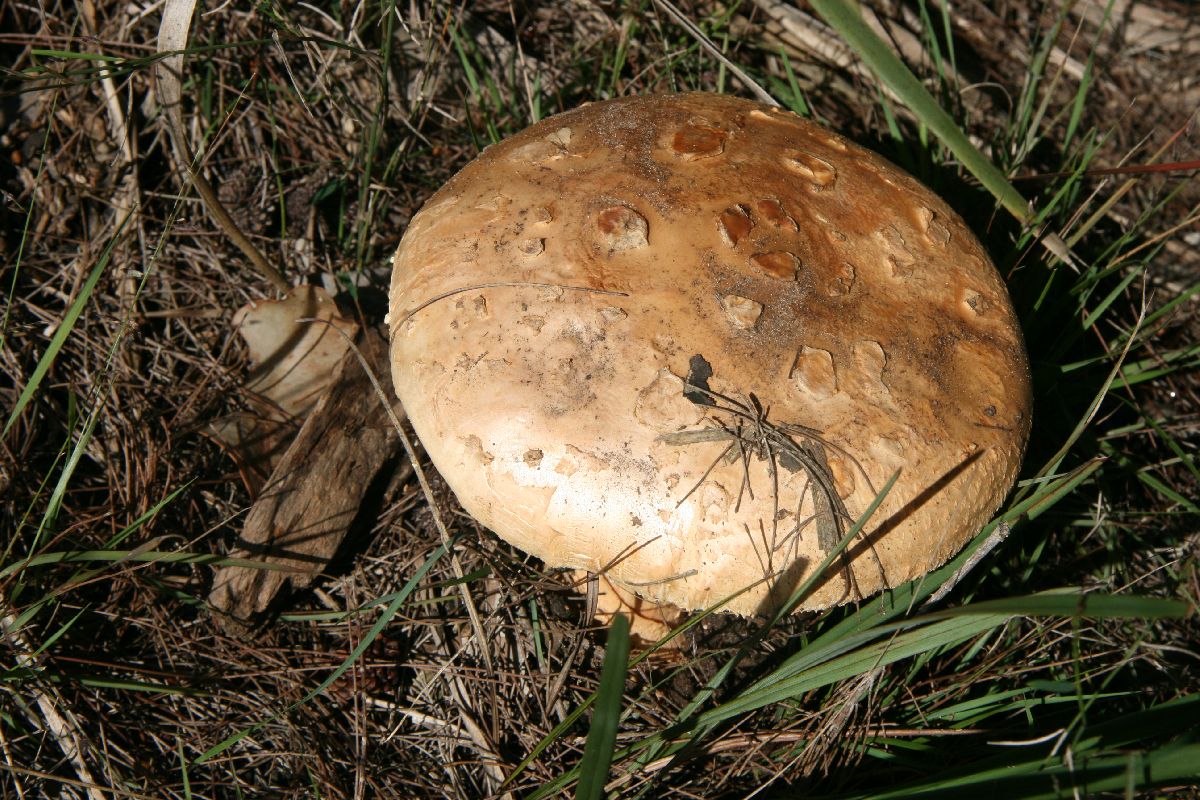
[551,302]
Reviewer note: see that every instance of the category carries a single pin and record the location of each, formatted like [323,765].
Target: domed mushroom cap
[685,339]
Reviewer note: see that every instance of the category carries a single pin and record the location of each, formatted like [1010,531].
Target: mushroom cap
[685,339]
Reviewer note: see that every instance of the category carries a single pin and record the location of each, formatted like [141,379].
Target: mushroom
[684,340]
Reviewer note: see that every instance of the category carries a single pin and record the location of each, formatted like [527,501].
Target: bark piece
[315,492]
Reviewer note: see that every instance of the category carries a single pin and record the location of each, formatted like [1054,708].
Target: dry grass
[323,142]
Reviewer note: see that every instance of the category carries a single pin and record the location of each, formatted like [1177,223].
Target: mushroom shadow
[785,582]
[868,540]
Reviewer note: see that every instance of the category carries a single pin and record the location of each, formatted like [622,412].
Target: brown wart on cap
[765,323]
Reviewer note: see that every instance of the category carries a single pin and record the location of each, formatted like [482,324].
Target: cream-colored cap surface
[551,302]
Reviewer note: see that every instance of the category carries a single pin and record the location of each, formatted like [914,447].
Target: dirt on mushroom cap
[852,324]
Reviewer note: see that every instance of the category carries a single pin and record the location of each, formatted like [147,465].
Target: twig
[469,731]
[753,435]
[8,760]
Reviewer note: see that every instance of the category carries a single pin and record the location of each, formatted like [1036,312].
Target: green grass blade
[1030,780]
[1056,460]
[856,631]
[553,736]
[25,225]
[137,686]
[65,327]
[1166,491]
[142,519]
[1067,603]
[141,557]
[602,737]
[58,634]
[951,628]
[891,70]
[71,54]
[1173,444]
[1109,761]
[1050,491]
[64,479]
[183,771]
[654,745]
[1062,603]
[924,639]
[748,646]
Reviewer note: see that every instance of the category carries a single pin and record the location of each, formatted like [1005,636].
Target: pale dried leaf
[293,347]
[294,352]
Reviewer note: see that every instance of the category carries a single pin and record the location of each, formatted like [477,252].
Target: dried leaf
[293,360]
